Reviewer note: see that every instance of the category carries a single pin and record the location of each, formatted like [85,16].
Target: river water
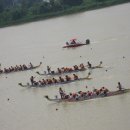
[109,32]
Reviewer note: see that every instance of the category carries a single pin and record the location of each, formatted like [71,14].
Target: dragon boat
[58,83]
[28,68]
[110,93]
[53,73]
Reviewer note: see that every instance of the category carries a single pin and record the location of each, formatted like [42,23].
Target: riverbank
[86,6]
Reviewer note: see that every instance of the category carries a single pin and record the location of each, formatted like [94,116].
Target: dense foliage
[17,11]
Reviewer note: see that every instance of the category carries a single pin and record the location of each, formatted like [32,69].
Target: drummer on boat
[30,64]
[119,86]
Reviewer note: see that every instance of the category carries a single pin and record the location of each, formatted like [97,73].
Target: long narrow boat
[30,68]
[111,93]
[53,73]
[74,45]
[59,83]
[57,73]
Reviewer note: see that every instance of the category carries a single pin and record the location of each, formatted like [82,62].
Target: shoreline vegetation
[21,12]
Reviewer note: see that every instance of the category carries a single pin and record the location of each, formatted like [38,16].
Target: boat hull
[60,83]
[23,70]
[112,93]
[74,45]
[56,73]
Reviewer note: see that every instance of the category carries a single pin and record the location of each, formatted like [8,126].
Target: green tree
[72,2]
[16,14]
[1,8]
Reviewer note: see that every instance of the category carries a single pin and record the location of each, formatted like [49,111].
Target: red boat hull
[74,45]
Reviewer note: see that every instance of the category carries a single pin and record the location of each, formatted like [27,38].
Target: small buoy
[8,99]
[56,109]
[106,70]
[123,57]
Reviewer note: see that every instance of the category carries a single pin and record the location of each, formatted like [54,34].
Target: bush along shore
[13,12]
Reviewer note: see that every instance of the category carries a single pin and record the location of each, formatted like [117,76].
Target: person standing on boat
[62,93]
[119,86]
[32,80]
[30,64]
[48,69]
[89,65]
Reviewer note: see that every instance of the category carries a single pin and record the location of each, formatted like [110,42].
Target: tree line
[13,11]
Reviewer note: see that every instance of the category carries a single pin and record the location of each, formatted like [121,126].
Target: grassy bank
[86,5]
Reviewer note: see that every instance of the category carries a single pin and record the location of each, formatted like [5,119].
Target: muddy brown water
[25,108]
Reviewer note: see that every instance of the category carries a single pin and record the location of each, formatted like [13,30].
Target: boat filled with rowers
[54,81]
[75,43]
[18,68]
[81,96]
[65,70]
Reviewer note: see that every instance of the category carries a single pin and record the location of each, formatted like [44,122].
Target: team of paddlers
[44,82]
[71,69]
[65,69]
[103,91]
[95,92]
[16,68]
[60,71]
